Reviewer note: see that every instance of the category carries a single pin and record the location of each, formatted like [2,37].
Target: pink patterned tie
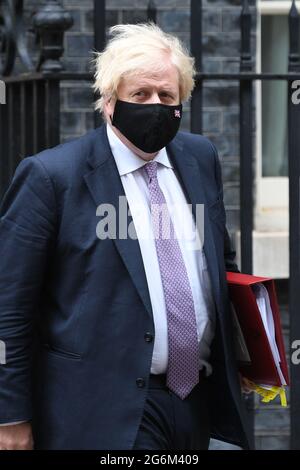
[184,359]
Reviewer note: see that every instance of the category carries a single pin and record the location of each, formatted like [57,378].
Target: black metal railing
[30,120]
[294,221]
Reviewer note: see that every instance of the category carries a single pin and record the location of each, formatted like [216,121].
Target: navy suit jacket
[75,311]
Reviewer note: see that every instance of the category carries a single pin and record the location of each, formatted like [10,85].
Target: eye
[139,93]
[166,95]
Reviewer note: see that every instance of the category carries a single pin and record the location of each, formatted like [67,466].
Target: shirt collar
[126,160]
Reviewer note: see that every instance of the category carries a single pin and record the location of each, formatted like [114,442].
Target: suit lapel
[105,186]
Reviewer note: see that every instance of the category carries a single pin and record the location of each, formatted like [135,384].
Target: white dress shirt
[134,181]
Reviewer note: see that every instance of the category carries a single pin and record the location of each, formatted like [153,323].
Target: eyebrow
[145,87]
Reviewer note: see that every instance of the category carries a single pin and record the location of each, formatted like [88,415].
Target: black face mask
[149,127]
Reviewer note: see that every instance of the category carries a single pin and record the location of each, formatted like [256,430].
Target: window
[274,58]
[271,116]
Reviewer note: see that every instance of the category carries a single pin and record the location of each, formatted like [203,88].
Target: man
[113,341]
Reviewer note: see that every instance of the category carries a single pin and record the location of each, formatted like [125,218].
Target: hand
[244,386]
[16,437]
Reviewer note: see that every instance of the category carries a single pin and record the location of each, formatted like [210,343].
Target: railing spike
[152,11]
[245,22]
[294,50]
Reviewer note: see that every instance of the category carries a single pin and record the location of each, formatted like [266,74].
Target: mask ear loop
[110,115]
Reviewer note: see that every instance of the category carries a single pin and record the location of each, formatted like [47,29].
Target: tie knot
[151,169]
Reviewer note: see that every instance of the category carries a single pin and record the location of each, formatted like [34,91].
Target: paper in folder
[259,341]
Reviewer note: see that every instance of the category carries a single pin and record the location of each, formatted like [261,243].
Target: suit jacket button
[140,383]
[148,337]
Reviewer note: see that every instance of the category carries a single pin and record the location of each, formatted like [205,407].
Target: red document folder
[262,368]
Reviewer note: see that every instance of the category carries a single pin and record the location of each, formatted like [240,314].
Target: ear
[109,106]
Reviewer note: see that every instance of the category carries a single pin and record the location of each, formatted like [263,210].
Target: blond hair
[136,48]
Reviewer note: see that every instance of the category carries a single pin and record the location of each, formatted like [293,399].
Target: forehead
[166,78]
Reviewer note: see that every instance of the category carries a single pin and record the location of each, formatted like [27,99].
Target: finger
[27,446]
